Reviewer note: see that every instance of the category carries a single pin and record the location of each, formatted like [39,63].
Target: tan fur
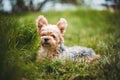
[53,33]
[94,58]
[62,25]
[40,22]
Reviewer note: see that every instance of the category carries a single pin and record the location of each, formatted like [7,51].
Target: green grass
[19,44]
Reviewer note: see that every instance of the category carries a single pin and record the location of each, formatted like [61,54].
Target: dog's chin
[46,45]
[49,46]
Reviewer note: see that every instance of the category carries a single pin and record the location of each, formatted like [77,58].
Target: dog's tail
[94,58]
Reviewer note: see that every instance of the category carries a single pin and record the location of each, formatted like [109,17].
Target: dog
[52,41]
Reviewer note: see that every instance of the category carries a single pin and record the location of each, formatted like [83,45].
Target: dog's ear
[62,24]
[41,22]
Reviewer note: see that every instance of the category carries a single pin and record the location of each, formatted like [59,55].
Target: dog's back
[77,53]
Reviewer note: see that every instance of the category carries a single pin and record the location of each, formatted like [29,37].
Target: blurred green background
[19,44]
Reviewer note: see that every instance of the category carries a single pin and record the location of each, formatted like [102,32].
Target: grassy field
[19,44]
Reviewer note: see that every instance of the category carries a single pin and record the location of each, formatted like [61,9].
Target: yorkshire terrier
[52,41]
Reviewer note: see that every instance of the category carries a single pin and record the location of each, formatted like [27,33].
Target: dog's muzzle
[46,41]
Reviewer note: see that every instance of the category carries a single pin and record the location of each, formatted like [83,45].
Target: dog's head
[50,35]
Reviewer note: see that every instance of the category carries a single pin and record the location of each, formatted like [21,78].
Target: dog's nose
[46,40]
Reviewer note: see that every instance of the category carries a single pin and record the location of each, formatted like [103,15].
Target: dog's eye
[53,36]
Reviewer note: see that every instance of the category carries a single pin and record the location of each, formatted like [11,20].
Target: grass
[19,44]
